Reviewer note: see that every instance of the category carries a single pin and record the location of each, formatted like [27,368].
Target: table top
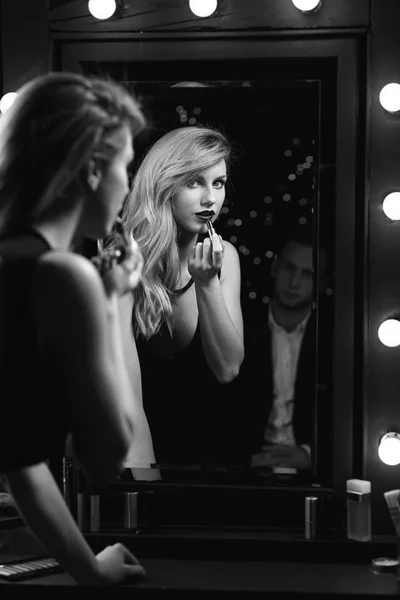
[291,578]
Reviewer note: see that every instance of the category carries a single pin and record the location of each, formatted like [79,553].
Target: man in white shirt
[281,361]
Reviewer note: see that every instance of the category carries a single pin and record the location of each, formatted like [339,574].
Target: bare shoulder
[69,284]
[57,270]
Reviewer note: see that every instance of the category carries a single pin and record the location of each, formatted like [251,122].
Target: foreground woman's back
[65,146]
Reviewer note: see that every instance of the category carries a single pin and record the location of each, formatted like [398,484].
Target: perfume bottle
[359,510]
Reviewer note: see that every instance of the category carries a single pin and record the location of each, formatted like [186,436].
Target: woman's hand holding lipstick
[121,267]
[206,259]
[130,267]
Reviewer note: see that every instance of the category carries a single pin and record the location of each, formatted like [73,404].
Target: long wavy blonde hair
[171,162]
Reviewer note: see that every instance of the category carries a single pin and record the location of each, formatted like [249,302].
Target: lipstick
[211,232]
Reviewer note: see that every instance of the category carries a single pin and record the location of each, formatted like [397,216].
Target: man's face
[293,277]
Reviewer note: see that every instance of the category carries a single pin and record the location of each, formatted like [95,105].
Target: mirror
[209,432]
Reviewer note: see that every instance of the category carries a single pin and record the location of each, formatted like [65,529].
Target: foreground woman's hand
[123,277]
[117,565]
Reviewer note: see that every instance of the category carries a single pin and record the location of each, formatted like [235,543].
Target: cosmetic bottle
[310,517]
[359,510]
[94,509]
[81,500]
[67,481]
[131,511]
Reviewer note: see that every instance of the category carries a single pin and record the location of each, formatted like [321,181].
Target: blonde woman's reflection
[186,314]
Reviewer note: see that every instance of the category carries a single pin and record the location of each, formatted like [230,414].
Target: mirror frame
[69,53]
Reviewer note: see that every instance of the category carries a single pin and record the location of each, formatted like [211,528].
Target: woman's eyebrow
[224,176]
[202,178]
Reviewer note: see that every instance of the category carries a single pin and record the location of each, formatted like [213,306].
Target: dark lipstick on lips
[205,214]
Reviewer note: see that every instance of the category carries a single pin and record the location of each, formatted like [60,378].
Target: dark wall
[25,41]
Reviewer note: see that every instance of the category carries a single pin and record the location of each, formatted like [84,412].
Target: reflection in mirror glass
[260,427]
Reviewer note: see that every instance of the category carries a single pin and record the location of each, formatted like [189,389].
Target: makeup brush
[393,501]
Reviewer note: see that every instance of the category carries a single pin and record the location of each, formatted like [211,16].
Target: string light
[389,333]
[203,8]
[389,97]
[105,9]
[307,6]
[6,101]
[389,448]
[391,206]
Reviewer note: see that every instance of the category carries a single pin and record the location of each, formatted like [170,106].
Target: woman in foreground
[65,147]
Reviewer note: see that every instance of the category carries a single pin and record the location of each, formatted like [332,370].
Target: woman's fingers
[217,243]
[129,558]
[206,257]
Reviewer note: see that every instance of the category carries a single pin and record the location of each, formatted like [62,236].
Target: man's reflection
[280,363]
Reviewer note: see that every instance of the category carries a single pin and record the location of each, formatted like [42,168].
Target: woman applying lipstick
[65,146]
[185,313]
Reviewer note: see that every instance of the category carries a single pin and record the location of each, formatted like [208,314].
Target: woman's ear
[93,175]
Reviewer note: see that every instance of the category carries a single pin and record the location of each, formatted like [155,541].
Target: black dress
[183,401]
[33,423]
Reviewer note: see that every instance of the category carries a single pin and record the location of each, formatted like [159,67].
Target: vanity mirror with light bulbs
[286,85]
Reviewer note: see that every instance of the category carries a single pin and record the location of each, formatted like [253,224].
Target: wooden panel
[231,15]
[197,49]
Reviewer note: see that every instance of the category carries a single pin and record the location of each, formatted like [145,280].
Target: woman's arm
[80,331]
[42,507]
[141,452]
[220,314]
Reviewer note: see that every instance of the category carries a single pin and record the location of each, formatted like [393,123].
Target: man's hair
[304,235]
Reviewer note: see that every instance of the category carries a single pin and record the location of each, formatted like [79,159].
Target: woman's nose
[208,195]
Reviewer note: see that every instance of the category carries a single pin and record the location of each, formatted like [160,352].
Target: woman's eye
[192,183]
[219,183]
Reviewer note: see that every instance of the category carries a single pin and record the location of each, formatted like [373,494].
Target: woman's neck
[61,232]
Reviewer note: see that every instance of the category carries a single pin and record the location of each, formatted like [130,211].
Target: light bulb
[203,8]
[389,448]
[389,333]
[307,5]
[391,206]
[102,9]
[389,97]
[7,100]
